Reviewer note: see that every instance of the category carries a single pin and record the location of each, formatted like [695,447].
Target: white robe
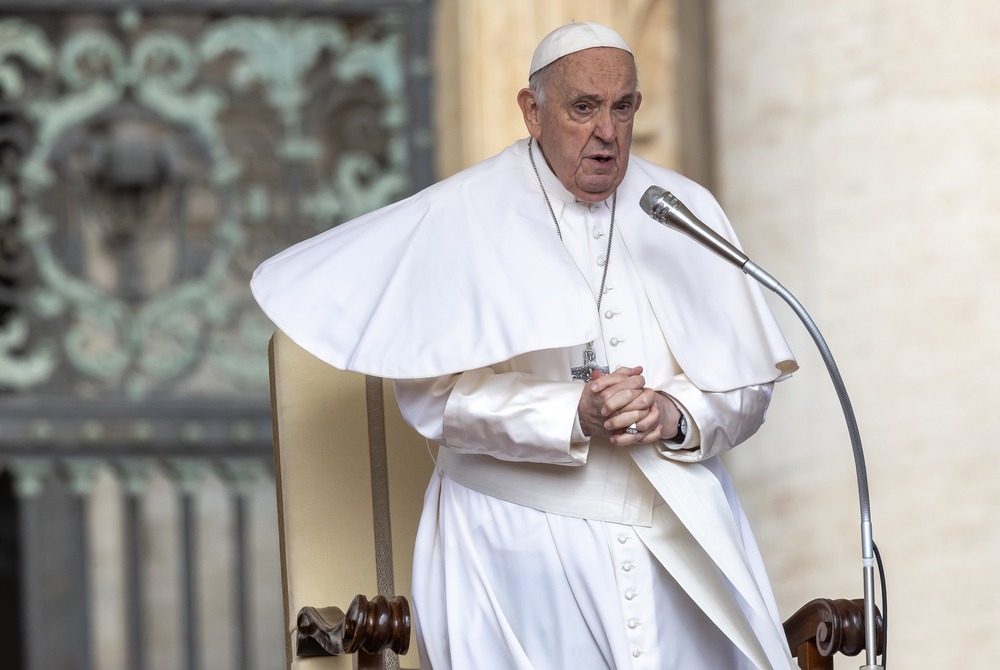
[500,303]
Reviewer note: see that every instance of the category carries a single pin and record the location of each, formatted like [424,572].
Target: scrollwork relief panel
[149,162]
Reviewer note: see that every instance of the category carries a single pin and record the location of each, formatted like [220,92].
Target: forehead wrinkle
[603,84]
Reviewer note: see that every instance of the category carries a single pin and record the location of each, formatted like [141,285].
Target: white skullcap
[571,38]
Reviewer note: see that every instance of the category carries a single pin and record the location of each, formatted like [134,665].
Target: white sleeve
[718,421]
[512,416]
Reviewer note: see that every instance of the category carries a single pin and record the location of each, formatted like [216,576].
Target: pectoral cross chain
[582,372]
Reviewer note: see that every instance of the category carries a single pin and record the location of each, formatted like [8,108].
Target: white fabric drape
[534,591]
[468,273]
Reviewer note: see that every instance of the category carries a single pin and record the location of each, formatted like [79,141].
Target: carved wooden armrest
[824,628]
[369,625]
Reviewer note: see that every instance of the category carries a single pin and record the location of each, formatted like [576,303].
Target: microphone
[664,207]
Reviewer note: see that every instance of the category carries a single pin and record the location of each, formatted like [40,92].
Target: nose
[604,126]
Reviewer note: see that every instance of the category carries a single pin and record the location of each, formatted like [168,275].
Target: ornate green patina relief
[149,163]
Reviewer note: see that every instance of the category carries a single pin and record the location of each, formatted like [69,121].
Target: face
[583,123]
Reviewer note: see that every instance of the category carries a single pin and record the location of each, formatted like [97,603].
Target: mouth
[601,159]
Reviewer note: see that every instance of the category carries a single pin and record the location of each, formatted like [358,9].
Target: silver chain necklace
[582,372]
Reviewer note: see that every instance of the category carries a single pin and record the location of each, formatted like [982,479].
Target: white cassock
[538,547]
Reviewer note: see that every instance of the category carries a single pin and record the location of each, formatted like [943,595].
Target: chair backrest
[323,419]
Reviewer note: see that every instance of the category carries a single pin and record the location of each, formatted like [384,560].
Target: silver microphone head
[664,207]
[652,198]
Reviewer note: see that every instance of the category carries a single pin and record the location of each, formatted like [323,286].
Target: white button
[598,234]
[637,653]
[614,341]
[610,315]
[631,595]
[601,261]
[628,567]
[622,539]
[634,623]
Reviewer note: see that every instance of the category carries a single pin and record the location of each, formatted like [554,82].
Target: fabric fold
[432,285]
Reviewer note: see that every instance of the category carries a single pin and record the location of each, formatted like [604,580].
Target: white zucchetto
[571,38]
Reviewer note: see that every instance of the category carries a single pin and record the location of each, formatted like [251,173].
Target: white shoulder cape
[470,272]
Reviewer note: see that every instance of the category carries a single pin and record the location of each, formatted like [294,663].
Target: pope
[581,368]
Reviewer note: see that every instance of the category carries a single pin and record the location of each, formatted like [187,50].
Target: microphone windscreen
[652,194]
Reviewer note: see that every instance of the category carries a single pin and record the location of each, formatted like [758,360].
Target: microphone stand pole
[867,543]
[671,212]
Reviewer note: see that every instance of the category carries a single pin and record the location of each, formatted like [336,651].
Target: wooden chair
[332,487]
[823,628]
[338,437]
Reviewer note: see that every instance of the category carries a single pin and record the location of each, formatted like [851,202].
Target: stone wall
[857,155]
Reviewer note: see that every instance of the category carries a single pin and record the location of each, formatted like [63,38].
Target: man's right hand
[612,402]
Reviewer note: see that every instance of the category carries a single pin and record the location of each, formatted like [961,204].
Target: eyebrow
[593,97]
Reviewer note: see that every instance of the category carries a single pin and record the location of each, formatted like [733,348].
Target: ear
[529,110]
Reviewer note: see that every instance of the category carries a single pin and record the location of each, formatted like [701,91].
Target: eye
[625,109]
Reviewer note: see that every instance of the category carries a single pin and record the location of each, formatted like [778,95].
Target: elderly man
[581,368]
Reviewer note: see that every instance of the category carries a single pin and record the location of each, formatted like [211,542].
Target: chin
[588,196]
[596,192]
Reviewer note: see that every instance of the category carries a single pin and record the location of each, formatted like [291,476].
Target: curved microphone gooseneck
[664,207]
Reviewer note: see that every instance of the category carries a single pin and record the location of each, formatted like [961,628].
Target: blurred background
[152,153]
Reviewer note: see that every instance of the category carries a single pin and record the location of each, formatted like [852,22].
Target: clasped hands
[611,402]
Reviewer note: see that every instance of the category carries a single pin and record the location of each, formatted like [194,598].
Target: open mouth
[602,159]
